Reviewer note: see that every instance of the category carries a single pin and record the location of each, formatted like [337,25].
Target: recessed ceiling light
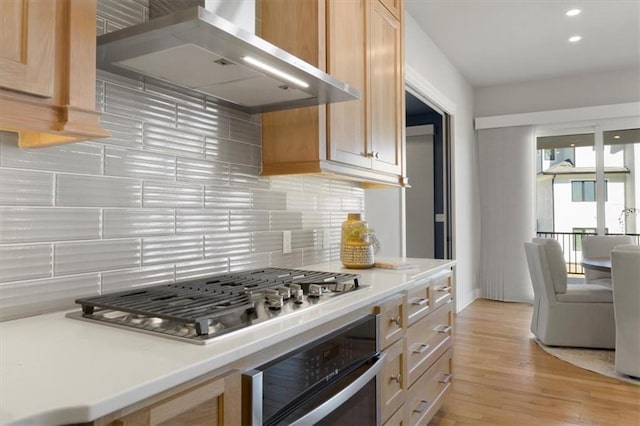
[573,12]
[573,144]
[575,39]
[616,137]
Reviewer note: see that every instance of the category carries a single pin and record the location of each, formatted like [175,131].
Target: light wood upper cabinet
[27,51]
[360,43]
[48,71]
[347,61]
[386,90]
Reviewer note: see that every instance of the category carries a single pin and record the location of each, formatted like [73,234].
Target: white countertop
[56,370]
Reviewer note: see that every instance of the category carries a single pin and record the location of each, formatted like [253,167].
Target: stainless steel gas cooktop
[199,310]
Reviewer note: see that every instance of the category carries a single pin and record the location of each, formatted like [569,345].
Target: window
[578,234]
[585,190]
[550,154]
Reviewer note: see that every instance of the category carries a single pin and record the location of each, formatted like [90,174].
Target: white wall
[384,216]
[603,88]
[423,56]
[420,213]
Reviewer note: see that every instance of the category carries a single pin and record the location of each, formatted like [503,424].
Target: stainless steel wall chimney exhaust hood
[198,50]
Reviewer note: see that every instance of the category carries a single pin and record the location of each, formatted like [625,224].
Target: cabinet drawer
[441,289]
[399,418]
[427,340]
[425,397]
[392,320]
[393,381]
[418,302]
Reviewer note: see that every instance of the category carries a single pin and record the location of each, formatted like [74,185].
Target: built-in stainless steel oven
[330,381]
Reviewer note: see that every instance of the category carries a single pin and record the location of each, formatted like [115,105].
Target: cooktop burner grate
[200,303]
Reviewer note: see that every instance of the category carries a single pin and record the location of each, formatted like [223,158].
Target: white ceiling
[494,42]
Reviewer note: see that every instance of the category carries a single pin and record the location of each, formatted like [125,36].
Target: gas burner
[199,310]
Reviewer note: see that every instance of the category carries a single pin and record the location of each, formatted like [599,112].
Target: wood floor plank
[502,377]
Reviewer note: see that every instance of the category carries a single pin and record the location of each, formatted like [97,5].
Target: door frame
[422,89]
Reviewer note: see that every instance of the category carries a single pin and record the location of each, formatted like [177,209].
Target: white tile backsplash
[174,193]
[118,223]
[24,262]
[97,191]
[32,297]
[138,277]
[179,248]
[79,257]
[140,164]
[25,188]
[206,172]
[80,157]
[201,221]
[29,224]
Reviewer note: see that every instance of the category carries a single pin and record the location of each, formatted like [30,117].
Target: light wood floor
[501,377]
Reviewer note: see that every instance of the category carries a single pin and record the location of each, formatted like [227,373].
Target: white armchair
[578,315]
[600,246]
[625,269]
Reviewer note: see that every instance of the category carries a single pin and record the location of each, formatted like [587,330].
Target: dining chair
[577,315]
[625,269]
[600,246]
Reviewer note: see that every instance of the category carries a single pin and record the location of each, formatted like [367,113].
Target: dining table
[598,264]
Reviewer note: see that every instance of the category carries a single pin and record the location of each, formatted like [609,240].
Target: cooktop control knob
[298,296]
[273,299]
[315,290]
[284,291]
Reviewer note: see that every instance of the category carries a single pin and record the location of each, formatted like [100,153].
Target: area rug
[601,361]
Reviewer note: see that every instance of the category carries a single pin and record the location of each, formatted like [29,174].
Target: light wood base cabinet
[215,401]
[361,43]
[48,71]
[417,374]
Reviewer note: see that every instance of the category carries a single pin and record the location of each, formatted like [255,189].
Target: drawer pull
[395,378]
[422,348]
[442,328]
[396,320]
[445,378]
[443,288]
[424,404]
[421,301]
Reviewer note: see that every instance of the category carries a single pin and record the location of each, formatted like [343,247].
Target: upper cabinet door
[386,90]
[394,6]
[27,46]
[346,60]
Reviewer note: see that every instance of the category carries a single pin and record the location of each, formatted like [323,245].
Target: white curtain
[507,216]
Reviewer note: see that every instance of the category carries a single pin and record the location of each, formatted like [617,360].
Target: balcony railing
[571,243]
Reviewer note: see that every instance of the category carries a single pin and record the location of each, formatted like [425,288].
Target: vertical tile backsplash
[173,194]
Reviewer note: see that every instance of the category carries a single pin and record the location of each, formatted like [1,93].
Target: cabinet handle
[443,288]
[445,378]
[374,154]
[420,301]
[423,347]
[442,328]
[395,378]
[396,320]
[424,404]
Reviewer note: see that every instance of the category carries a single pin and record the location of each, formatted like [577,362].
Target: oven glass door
[352,400]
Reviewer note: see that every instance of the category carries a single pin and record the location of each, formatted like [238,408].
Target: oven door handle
[343,396]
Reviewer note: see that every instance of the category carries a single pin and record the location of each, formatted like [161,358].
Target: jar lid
[353,216]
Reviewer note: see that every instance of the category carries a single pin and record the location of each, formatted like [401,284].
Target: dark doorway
[428,200]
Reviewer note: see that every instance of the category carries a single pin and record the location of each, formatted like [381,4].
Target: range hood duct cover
[198,50]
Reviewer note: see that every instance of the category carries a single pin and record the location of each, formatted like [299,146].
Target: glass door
[622,178]
[587,182]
